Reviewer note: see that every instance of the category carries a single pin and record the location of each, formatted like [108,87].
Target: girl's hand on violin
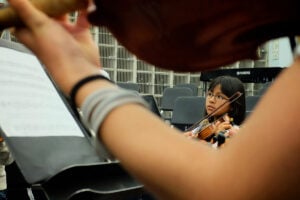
[222,126]
[233,131]
[190,135]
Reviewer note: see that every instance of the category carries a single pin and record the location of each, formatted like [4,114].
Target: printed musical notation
[30,105]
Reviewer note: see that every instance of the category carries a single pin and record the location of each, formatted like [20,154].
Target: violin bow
[231,99]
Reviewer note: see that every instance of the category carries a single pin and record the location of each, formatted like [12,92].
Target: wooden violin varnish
[184,35]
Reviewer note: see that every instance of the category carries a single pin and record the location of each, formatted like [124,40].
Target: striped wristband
[99,104]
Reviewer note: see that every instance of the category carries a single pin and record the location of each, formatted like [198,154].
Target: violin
[204,129]
[185,35]
[207,129]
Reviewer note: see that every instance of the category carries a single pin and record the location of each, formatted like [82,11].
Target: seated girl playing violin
[225,122]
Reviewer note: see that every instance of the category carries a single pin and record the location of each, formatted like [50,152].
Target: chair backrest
[171,94]
[251,102]
[129,86]
[193,87]
[187,111]
[152,104]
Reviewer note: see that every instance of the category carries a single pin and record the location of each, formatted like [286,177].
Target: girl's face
[214,99]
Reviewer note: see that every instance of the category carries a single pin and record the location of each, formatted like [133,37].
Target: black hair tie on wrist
[83,81]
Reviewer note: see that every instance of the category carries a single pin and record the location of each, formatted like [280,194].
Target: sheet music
[29,103]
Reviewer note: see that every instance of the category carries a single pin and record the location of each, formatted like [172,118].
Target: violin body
[208,130]
[186,35]
[193,35]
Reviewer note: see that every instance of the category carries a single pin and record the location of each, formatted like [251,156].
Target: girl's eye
[219,97]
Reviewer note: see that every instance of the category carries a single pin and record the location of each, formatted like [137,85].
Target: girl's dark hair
[229,86]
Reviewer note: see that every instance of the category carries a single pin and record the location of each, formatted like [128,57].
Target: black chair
[187,111]
[129,86]
[170,94]
[168,99]
[193,87]
[152,104]
[251,102]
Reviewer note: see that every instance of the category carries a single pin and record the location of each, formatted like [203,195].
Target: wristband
[82,82]
[97,106]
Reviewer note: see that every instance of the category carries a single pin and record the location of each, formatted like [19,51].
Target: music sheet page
[29,103]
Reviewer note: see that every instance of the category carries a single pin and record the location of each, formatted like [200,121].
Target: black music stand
[246,75]
[54,166]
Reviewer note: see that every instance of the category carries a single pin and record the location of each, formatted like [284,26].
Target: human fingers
[30,16]
[91,49]
[217,123]
[226,118]
[62,55]
[34,23]
[187,134]
[222,127]
[81,32]
[233,131]
[225,127]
